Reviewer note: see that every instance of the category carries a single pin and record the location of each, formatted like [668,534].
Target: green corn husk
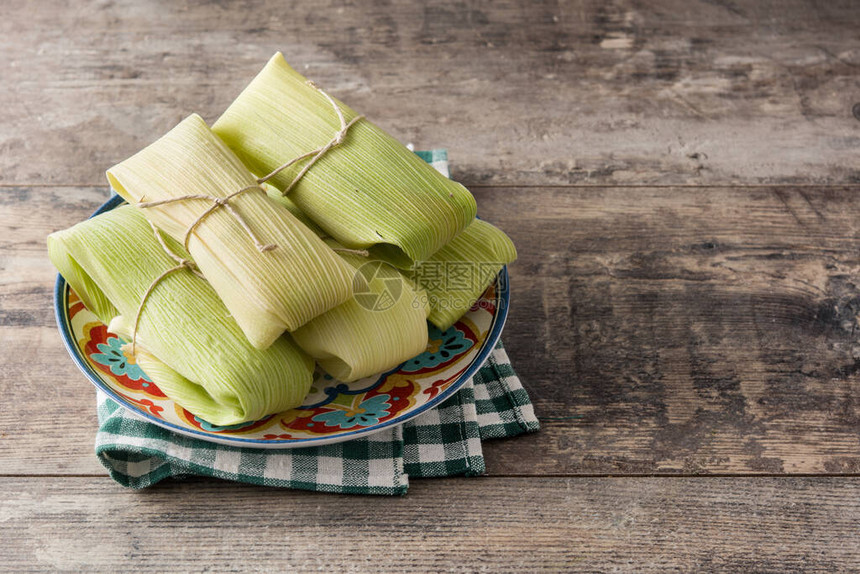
[286,202]
[187,343]
[266,293]
[456,275]
[383,325]
[368,193]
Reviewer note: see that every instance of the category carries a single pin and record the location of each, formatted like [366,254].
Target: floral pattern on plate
[443,347]
[113,356]
[104,351]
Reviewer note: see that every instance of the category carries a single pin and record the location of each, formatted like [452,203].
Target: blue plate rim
[64,326]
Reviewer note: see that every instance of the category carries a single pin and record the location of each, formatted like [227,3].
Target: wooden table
[681,179]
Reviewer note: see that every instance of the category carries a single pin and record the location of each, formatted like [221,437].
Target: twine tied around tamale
[216,203]
[316,154]
[181,263]
[224,202]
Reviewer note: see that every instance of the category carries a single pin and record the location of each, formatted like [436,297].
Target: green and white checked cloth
[445,441]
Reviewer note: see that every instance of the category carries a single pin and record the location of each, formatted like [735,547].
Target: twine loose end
[360,252]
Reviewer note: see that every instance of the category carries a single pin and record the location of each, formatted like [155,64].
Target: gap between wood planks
[548,476]
[545,186]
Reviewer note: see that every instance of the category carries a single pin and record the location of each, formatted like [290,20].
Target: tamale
[370,192]
[455,276]
[265,292]
[383,325]
[187,341]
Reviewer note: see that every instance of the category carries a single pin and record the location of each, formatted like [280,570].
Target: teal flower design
[111,355]
[368,413]
[443,346]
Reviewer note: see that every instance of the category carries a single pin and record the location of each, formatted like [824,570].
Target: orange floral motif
[75,305]
[149,406]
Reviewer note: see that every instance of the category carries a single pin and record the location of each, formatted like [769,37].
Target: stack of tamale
[245,251]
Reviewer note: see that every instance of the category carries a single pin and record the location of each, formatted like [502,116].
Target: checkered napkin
[445,441]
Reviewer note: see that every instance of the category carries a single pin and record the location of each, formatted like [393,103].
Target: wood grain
[548,92]
[707,330]
[48,419]
[658,331]
[460,525]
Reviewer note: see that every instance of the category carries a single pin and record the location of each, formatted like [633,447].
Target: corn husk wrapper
[285,201]
[458,274]
[187,343]
[366,335]
[383,325]
[370,192]
[266,293]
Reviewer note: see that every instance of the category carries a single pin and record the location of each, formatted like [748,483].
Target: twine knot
[217,202]
[316,154]
[341,135]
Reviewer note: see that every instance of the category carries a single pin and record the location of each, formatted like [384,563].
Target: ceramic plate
[332,412]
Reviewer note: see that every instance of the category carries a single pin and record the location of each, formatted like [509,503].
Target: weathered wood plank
[48,419]
[658,330]
[710,330]
[460,525]
[619,92]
